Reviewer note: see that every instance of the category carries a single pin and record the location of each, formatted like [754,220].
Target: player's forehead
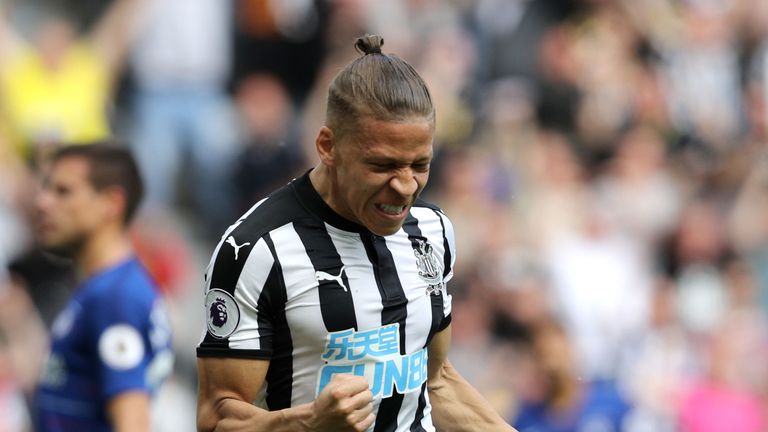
[370,125]
[71,171]
[408,139]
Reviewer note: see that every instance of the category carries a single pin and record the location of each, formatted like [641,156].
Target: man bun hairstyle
[110,165]
[369,44]
[378,86]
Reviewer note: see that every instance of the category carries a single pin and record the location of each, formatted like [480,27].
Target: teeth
[391,209]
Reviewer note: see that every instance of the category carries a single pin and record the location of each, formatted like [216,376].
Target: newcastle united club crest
[430,268]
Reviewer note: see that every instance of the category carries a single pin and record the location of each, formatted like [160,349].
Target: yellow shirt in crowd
[63,105]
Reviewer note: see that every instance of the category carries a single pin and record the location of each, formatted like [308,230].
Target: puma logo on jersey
[231,240]
[323,276]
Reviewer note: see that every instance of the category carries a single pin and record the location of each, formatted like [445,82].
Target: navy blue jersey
[602,408]
[112,337]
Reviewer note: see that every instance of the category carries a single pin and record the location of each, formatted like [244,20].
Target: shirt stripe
[280,373]
[336,302]
[394,310]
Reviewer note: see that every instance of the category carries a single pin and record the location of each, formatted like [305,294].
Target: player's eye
[381,167]
[61,191]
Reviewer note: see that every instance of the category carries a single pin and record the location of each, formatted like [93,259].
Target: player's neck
[104,249]
[324,182]
[321,182]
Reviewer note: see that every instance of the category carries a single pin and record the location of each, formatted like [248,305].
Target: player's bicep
[129,411]
[223,379]
[438,355]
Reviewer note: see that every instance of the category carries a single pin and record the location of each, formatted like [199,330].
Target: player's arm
[227,386]
[10,41]
[130,412]
[115,30]
[456,405]
[225,391]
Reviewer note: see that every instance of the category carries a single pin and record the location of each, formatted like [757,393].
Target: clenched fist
[345,404]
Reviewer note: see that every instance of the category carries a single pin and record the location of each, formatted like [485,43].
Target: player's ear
[115,202]
[325,143]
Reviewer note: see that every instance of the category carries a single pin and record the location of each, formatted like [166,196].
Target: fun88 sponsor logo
[375,355]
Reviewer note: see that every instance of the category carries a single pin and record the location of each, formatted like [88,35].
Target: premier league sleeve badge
[223,313]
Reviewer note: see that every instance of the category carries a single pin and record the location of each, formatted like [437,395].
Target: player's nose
[404,182]
[43,201]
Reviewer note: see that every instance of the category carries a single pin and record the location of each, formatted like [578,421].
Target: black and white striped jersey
[295,283]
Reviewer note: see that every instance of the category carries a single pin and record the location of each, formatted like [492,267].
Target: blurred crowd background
[605,163]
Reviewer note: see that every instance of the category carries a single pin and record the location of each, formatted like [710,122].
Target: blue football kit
[112,337]
[602,408]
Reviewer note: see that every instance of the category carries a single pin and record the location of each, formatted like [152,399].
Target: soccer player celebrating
[111,344]
[327,303]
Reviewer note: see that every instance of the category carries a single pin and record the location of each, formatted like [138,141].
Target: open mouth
[44,225]
[392,210]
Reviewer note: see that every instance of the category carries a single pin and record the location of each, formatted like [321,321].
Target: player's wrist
[301,417]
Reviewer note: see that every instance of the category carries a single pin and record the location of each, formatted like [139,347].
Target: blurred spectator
[748,220]
[660,362]
[639,188]
[23,343]
[23,334]
[15,413]
[448,62]
[286,38]
[728,396]
[181,62]
[602,283]
[476,341]
[693,257]
[270,154]
[558,95]
[510,32]
[603,50]
[14,233]
[521,295]
[464,196]
[701,69]
[57,88]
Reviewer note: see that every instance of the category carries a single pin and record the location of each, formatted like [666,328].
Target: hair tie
[369,44]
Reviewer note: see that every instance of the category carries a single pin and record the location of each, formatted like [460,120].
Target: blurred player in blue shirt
[556,398]
[110,346]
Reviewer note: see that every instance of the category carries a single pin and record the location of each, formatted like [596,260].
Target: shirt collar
[312,201]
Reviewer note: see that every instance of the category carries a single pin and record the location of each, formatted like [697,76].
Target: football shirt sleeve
[121,328]
[239,296]
[450,254]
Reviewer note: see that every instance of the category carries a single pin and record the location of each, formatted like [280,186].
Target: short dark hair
[376,85]
[110,164]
